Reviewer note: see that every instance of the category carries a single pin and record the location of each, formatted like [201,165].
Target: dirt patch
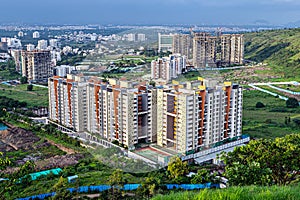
[61,147]
[58,161]
[16,138]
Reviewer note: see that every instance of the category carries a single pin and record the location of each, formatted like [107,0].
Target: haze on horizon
[149,11]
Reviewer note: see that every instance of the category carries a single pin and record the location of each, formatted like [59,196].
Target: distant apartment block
[204,50]
[221,50]
[35,35]
[167,68]
[183,118]
[232,49]
[165,42]
[30,47]
[132,37]
[53,43]
[42,45]
[183,44]
[12,43]
[36,65]
[16,54]
[141,37]
[63,70]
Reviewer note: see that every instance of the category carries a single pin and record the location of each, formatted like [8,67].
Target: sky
[149,11]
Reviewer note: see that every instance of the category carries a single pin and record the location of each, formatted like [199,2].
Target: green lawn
[35,98]
[267,122]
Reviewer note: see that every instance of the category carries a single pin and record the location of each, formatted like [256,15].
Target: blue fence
[127,187]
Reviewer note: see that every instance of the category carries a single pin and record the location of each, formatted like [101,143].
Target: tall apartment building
[183,44]
[192,119]
[36,65]
[113,111]
[67,105]
[16,54]
[168,67]
[232,49]
[204,50]
[165,42]
[184,118]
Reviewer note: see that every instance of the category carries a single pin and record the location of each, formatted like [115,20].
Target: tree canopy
[264,162]
[292,103]
[177,168]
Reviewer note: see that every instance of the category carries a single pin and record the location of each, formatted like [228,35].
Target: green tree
[259,105]
[8,186]
[116,181]
[176,168]
[29,87]
[60,189]
[23,80]
[149,186]
[152,83]
[264,162]
[202,176]
[292,103]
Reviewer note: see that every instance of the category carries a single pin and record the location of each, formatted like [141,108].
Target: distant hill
[279,48]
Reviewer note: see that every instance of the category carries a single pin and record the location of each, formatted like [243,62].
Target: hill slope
[279,48]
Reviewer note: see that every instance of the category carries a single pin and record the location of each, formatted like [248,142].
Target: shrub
[260,105]
[292,103]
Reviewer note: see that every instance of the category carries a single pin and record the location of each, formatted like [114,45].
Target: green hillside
[279,48]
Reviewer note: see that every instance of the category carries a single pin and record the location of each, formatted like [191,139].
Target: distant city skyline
[150,12]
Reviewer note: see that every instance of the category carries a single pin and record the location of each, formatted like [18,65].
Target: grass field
[237,193]
[270,121]
[35,98]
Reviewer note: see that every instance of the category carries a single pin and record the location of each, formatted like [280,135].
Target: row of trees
[290,103]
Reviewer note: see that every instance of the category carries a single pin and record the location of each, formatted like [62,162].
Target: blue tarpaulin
[127,187]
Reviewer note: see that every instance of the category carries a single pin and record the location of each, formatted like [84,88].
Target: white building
[165,42]
[20,34]
[131,37]
[168,68]
[94,37]
[141,37]
[30,47]
[42,45]
[35,35]
[53,43]
[12,43]
[63,70]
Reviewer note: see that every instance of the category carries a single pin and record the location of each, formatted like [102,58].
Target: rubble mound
[18,138]
[58,161]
